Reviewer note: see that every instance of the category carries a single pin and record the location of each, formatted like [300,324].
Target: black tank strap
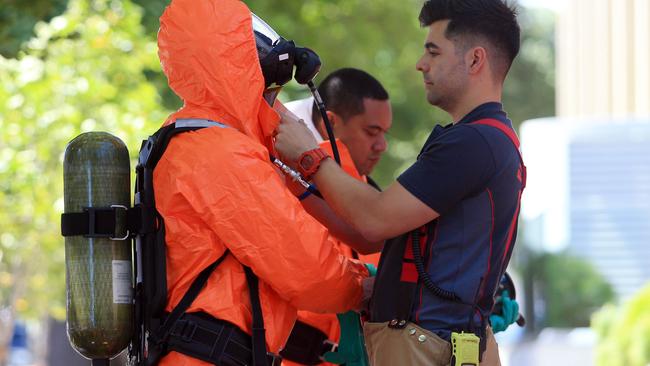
[97,222]
[393,297]
[191,294]
[307,345]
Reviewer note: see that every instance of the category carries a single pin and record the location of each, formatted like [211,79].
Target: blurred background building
[594,157]
[603,49]
[589,189]
[589,193]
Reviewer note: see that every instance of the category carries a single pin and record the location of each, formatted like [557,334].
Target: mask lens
[265,36]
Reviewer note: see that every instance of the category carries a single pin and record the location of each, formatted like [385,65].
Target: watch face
[307,161]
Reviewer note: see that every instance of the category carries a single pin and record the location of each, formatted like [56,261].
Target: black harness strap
[116,222]
[215,341]
[259,333]
[307,345]
[191,294]
[94,222]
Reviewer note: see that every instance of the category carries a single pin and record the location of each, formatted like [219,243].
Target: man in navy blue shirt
[452,215]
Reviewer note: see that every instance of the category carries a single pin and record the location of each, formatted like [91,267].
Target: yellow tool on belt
[465,348]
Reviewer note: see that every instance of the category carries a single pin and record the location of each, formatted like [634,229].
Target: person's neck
[473,100]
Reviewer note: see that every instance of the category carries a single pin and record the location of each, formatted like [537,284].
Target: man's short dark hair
[343,92]
[493,20]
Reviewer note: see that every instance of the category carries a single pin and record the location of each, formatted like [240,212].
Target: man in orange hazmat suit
[217,190]
[360,112]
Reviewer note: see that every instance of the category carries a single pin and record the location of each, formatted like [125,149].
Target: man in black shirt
[460,199]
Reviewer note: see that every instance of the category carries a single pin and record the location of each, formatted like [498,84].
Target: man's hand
[293,138]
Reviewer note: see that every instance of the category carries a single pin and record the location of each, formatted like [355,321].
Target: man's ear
[334,118]
[475,59]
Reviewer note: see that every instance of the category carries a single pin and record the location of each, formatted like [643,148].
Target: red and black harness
[402,270]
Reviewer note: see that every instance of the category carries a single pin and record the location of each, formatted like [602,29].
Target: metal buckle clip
[274,359]
[115,207]
[328,346]
[184,329]
[92,222]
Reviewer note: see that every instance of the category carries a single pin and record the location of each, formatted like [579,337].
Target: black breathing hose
[428,283]
[328,126]
[335,151]
[424,276]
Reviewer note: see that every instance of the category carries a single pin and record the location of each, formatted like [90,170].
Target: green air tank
[99,289]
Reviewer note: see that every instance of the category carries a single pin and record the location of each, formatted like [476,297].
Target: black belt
[219,342]
[307,345]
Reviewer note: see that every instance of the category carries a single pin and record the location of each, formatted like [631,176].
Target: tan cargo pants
[415,346]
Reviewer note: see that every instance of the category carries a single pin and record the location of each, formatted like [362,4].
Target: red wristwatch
[309,161]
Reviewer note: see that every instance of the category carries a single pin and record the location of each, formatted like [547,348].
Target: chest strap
[512,136]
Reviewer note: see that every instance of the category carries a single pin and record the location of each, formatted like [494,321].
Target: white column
[622,57]
[642,57]
[603,58]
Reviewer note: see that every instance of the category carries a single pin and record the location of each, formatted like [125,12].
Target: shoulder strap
[153,152]
[152,228]
[512,136]
[501,127]
[521,175]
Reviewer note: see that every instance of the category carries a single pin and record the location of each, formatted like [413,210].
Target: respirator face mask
[278,57]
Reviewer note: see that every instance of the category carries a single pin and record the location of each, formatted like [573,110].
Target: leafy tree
[624,332]
[529,90]
[570,287]
[83,71]
[351,33]
[386,40]
[17,20]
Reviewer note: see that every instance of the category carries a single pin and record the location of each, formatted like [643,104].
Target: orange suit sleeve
[247,205]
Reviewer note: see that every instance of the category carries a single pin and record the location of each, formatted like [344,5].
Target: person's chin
[371,165]
[432,99]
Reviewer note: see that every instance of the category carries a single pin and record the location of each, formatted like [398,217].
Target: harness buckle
[127,234]
[328,346]
[185,330]
[94,230]
[274,359]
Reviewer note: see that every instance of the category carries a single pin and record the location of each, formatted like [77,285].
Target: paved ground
[556,347]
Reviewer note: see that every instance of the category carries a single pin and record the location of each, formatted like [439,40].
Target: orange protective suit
[329,323]
[217,189]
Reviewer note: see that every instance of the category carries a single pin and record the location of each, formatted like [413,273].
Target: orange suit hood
[207,51]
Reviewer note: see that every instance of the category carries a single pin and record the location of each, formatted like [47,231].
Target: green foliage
[94,67]
[385,39]
[571,288]
[529,90]
[624,332]
[17,20]
[82,72]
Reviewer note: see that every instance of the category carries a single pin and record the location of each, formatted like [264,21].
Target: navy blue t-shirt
[471,175]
